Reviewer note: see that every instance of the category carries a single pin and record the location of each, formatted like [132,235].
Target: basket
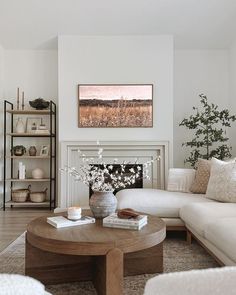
[20,195]
[38,197]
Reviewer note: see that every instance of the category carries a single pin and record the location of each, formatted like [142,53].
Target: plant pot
[102,204]
[18,152]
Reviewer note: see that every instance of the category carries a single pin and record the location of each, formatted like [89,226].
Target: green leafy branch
[210,126]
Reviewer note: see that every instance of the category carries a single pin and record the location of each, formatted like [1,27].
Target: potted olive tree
[209,125]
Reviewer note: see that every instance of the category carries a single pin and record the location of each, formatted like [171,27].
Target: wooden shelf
[29,180]
[28,157]
[31,204]
[29,112]
[31,135]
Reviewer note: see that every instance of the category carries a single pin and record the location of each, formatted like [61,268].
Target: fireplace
[75,193]
[117,167]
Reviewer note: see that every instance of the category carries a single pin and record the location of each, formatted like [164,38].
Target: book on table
[61,221]
[132,223]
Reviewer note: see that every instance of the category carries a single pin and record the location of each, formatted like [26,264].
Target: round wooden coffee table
[93,252]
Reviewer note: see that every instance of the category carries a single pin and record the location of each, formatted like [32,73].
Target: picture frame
[115,105]
[44,151]
[32,124]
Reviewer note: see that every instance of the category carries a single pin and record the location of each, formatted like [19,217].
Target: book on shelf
[61,221]
[125,226]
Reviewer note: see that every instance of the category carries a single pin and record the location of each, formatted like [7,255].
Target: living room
[142,93]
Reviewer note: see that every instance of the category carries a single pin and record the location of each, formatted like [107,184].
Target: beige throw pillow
[199,185]
[222,182]
[180,179]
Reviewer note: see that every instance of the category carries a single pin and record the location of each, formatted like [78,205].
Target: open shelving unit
[8,172]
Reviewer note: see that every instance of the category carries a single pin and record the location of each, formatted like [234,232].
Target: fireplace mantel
[72,193]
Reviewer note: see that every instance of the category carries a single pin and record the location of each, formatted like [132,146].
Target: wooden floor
[13,223]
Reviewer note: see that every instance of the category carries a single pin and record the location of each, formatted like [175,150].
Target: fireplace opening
[117,167]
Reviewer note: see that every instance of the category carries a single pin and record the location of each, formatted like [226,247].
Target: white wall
[34,71]
[1,70]
[196,72]
[232,96]
[129,59]
[1,114]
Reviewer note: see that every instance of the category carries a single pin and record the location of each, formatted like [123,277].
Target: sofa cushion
[217,281]
[180,180]
[157,202]
[222,234]
[198,215]
[199,185]
[21,285]
[222,182]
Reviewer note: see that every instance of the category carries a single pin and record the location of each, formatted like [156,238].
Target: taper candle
[23,100]
[18,99]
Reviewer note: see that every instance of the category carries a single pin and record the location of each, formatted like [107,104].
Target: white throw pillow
[222,183]
[180,179]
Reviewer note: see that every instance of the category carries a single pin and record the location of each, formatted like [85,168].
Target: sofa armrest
[180,179]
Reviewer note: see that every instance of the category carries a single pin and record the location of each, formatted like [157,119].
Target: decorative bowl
[39,104]
[37,173]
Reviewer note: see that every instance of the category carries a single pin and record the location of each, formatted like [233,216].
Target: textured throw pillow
[222,182]
[180,180]
[199,185]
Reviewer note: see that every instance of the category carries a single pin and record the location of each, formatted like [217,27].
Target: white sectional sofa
[161,203]
[217,281]
[214,226]
[212,223]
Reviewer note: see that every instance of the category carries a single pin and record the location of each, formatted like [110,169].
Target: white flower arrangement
[100,176]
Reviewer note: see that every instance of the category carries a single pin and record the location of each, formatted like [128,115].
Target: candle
[74,213]
[23,100]
[18,98]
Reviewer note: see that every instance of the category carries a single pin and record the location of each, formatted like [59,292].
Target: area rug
[178,256]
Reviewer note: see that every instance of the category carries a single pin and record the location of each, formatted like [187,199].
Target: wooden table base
[105,271]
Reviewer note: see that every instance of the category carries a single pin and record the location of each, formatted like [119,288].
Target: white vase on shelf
[20,126]
[37,173]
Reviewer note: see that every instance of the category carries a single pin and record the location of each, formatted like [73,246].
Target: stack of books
[132,223]
[61,221]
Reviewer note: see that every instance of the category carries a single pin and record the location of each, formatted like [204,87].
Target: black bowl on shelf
[39,104]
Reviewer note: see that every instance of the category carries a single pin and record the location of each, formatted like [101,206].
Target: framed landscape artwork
[106,105]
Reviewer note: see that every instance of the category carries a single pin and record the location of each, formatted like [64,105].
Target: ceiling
[195,24]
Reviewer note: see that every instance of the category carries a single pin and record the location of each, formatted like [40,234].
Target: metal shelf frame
[52,137]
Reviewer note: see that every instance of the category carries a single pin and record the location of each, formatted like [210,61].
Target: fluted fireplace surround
[76,193]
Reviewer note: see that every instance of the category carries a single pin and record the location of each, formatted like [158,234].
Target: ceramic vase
[102,204]
[32,151]
[37,173]
[20,126]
